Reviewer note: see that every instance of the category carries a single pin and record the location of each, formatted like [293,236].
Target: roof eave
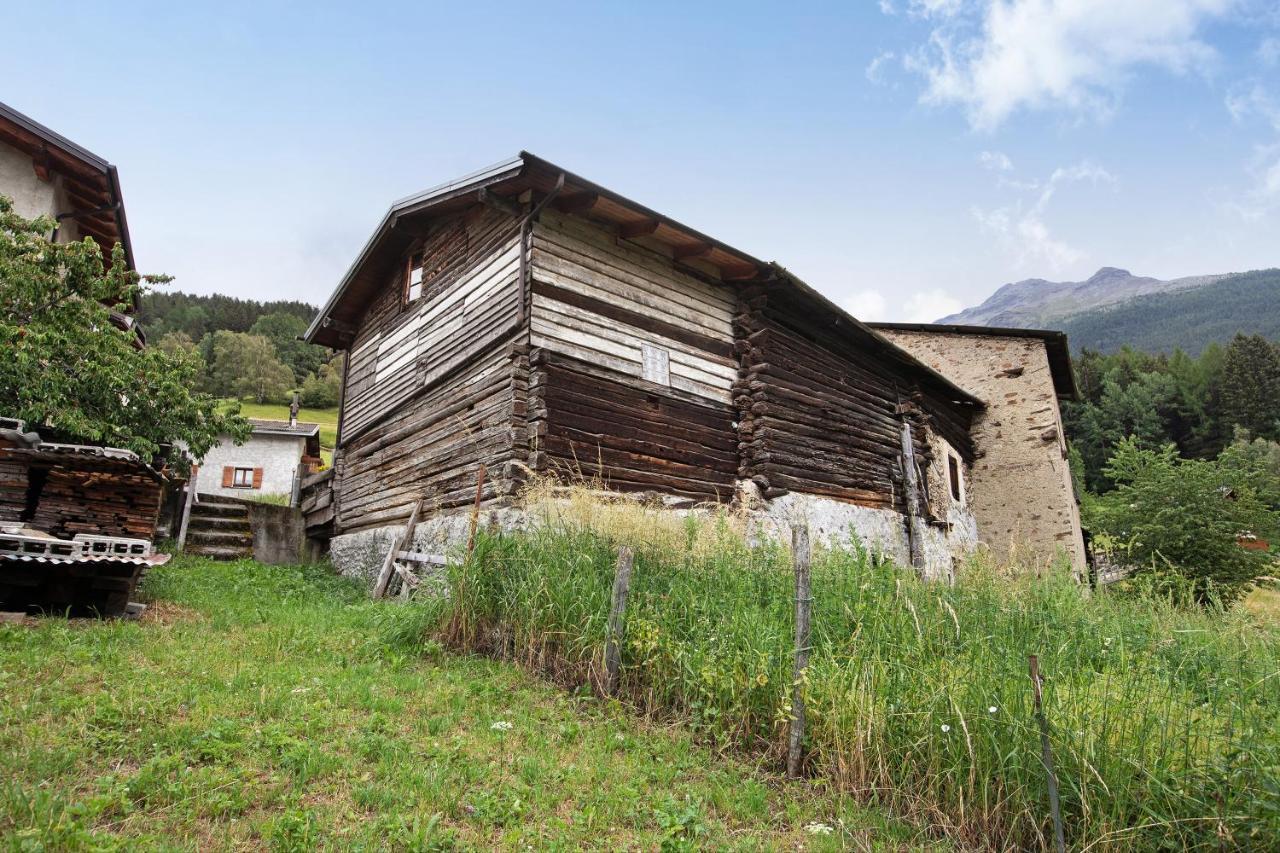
[410,204]
[1055,341]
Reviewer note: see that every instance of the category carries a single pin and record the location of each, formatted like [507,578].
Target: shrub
[1186,515]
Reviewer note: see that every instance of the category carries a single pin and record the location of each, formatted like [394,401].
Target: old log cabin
[527,319]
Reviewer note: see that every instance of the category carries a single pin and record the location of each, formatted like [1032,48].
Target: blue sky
[906,157]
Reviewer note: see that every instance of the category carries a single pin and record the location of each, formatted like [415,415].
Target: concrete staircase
[219,529]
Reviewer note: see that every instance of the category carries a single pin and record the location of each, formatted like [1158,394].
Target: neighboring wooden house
[271,461]
[525,318]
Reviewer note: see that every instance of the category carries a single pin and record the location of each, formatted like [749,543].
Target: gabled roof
[1055,344]
[394,235]
[91,183]
[261,426]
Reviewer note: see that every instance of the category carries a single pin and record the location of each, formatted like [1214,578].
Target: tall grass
[1165,719]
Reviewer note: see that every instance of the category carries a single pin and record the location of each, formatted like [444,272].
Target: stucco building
[46,174]
[271,461]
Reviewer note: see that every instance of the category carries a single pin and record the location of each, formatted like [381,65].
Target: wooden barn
[526,319]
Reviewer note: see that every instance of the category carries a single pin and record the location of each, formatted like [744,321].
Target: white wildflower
[818,828]
[992,709]
[945,728]
[501,726]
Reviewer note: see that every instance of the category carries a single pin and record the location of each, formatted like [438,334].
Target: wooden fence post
[189,500]
[804,602]
[911,482]
[613,641]
[1046,756]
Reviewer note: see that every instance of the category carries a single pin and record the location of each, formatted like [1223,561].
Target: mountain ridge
[1037,301]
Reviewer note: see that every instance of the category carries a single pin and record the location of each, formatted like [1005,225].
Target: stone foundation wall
[831,522]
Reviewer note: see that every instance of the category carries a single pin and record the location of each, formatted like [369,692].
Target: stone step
[221,508]
[231,538]
[220,553]
[214,522]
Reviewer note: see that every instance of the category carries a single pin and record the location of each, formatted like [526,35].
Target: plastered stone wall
[831,522]
[1020,486]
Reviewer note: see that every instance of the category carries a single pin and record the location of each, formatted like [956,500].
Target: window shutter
[257,478]
[227,473]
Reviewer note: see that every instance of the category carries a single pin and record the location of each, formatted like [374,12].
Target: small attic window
[953,475]
[413,280]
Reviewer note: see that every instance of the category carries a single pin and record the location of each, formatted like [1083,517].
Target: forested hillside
[196,316]
[247,349]
[1186,319]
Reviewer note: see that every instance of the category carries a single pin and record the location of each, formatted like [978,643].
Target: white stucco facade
[278,457]
[32,196]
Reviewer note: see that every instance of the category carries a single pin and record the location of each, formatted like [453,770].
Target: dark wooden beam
[739,272]
[698,250]
[499,203]
[577,203]
[642,228]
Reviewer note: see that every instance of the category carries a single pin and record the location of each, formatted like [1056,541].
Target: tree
[284,329]
[242,365]
[70,369]
[321,391]
[1251,386]
[178,342]
[1185,515]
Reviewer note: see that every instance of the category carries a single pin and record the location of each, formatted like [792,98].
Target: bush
[1185,515]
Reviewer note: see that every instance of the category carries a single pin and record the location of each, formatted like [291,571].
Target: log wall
[632,367]
[470,303]
[821,412]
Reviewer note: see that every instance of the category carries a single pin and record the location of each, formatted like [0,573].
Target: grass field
[326,418]
[258,707]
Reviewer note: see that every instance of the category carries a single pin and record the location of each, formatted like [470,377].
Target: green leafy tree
[1184,516]
[1251,385]
[284,329]
[242,365]
[69,368]
[177,342]
[321,390]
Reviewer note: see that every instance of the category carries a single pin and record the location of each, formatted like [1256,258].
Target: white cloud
[875,68]
[866,305]
[930,305]
[1247,105]
[994,57]
[1269,52]
[1020,227]
[996,161]
[886,7]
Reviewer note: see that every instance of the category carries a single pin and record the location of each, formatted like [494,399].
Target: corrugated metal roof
[153,560]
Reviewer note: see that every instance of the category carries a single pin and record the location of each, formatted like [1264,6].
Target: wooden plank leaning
[389,564]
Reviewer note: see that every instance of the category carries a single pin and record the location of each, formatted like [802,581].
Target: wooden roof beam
[739,272]
[577,203]
[643,228]
[498,203]
[698,250]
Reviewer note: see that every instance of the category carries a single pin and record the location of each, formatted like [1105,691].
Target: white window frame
[413,278]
